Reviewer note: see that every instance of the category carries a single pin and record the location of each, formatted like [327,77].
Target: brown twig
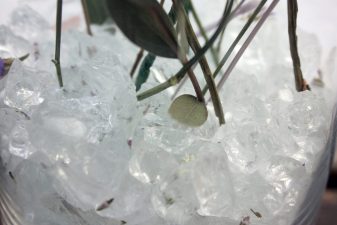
[194,81]
[86,16]
[137,61]
[301,84]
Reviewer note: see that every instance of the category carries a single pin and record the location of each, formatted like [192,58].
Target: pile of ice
[90,154]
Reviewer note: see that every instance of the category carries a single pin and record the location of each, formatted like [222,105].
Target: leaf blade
[146,24]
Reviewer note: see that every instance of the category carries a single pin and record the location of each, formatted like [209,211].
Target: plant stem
[86,16]
[194,81]
[56,61]
[181,73]
[195,45]
[203,32]
[301,84]
[137,61]
[218,48]
[236,41]
[246,43]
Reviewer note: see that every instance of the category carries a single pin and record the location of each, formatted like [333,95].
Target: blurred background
[317,17]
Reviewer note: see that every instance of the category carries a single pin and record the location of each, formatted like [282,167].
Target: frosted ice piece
[132,198]
[28,23]
[19,144]
[89,179]
[163,131]
[305,115]
[286,177]
[240,147]
[39,202]
[212,182]
[104,77]
[310,53]
[150,164]
[24,87]
[13,123]
[286,95]
[80,137]
[211,220]
[174,198]
[12,45]
[70,121]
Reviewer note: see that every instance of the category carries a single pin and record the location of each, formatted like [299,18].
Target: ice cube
[212,181]
[150,164]
[24,87]
[28,23]
[174,198]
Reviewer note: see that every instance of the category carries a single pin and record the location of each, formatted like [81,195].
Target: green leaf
[144,70]
[146,24]
[97,10]
[187,110]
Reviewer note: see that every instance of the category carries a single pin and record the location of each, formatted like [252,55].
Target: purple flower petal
[2,68]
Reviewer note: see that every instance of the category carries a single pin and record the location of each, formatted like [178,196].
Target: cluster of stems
[180,8]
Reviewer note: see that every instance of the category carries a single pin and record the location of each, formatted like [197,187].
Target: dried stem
[56,61]
[137,61]
[301,84]
[246,43]
[194,81]
[86,16]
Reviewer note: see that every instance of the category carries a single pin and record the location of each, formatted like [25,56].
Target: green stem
[203,32]
[155,90]
[56,61]
[236,41]
[218,48]
[86,16]
[195,45]
[181,73]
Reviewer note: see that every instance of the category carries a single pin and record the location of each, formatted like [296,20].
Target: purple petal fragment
[2,68]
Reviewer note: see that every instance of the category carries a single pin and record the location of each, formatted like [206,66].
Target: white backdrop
[315,16]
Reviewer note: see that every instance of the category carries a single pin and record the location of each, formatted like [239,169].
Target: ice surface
[90,154]
[151,164]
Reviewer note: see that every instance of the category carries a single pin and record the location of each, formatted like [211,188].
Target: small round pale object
[188,110]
